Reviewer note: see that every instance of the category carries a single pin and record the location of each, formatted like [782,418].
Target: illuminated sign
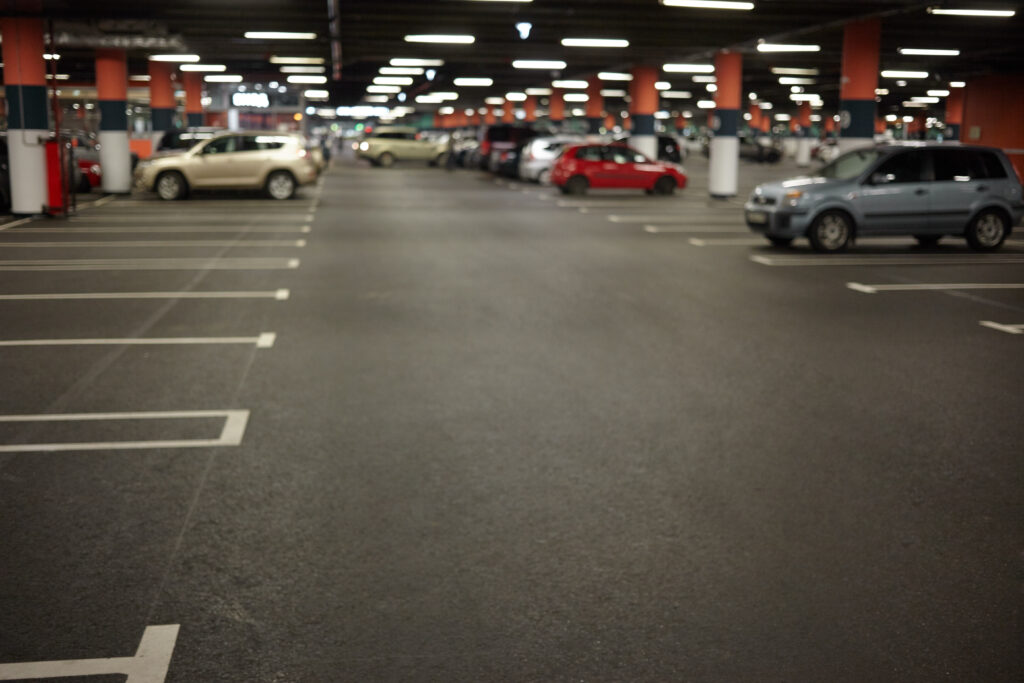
[258,100]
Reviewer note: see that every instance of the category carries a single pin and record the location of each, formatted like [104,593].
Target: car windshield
[850,165]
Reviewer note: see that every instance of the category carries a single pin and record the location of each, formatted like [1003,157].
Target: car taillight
[485,147]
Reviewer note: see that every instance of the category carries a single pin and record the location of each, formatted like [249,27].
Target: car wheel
[665,185]
[387,160]
[927,240]
[780,241]
[83,185]
[987,231]
[831,231]
[576,185]
[171,185]
[280,185]
[544,177]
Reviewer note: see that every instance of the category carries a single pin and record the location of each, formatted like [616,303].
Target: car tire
[576,185]
[664,185]
[544,177]
[280,185]
[987,230]
[831,232]
[171,185]
[780,241]
[387,160]
[927,240]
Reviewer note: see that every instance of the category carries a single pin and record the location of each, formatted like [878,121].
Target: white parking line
[725,242]
[1009,329]
[278,295]
[931,287]
[162,228]
[155,243]
[684,218]
[164,218]
[149,665]
[228,263]
[894,260]
[659,229]
[16,223]
[264,341]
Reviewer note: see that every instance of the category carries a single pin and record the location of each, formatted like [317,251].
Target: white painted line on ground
[227,263]
[684,218]
[309,217]
[725,242]
[154,243]
[237,218]
[858,287]
[927,287]
[1009,329]
[264,341]
[149,665]
[659,229]
[102,201]
[161,228]
[16,223]
[279,295]
[894,260]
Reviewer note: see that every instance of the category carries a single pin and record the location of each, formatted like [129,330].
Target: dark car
[668,148]
[499,143]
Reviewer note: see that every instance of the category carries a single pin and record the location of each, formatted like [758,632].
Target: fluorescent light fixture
[376,98]
[406,61]
[302,69]
[576,112]
[938,93]
[401,71]
[795,80]
[911,103]
[752,96]
[428,99]
[709,4]
[446,95]
[538,64]
[793,71]
[279,35]
[893,73]
[783,47]
[313,80]
[765,105]
[383,89]
[222,78]
[275,59]
[174,58]
[440,38]
[494,100]
[59,77]
[796,88]
[538,91]
[446,111]
[576,97]
[706,104]
[1000,13]
[594,42]
[613,93]
[471,82]
[927,52]
[569,84]
[926,100]
[320,95]
[881,91]
[711,87]
[662,85]
[392,80]
[705,79]
[688,68]
[662,115]
[137,77]
[891,118]
[676,94]
[805,97]
[957,84]
[515,96]
[901,84]
[614,76]
[210,68]
[815,118]
[51,55]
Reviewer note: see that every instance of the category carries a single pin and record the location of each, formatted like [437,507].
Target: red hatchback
[585,166]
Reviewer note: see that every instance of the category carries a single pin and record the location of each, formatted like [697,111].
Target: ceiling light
[524,28]
[765,105]
[752,96]
[302,69]
[174,58]
[957,84]
[881,91]
[676,94]
[793,80]
[805,97]
[901,84]
[911,103]
[662,115]
[59,77]
[927,52]
[706,104]
[51,55]
[815,118]
[403,61]
[428,99]
[389,89]
[313,80]
[891,117]
[279,35]
[138,77]
[385,80]
[446,95]
[926,100]
[614,76]
[782,47]
[688,68]
[446,111]
[515,96]
[613,93]
[904,74]
[203,67]
[576,112]
[576,97]
[569,84]
[400,71]
[538,64]
[469,82]
[1002,13]
[440,38]
[494,100]
[501,0]
[296,60]
[708,4]
[376,98]
[538,91]
[222,78]
[662,85]
[793,71]
[796,88]
[938,93]
[594,42]
[711,87]
[319,95]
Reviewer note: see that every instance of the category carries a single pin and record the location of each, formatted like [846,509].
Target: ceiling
[371,33]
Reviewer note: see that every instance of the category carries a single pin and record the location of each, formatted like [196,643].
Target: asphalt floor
[418,425]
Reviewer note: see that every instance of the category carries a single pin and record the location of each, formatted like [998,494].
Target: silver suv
[927,190]
[389,144]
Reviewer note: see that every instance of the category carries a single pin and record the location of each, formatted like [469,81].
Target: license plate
[759,217]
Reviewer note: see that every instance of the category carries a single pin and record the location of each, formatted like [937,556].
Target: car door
[894,198]
[249,159]
[626,172]
[212,166]
[591,163]
[960,182]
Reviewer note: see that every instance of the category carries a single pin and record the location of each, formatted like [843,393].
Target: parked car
[499,139]
[539,154]
[389,144]
[613,165]
[927,190]
[275,162]
[669,148]
[759,148]
[182,139]
[85,151]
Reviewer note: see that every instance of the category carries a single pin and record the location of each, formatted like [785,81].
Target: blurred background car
[615,165]
[275,162]
[669,148]
[539,154]
[499,140]
[390,144]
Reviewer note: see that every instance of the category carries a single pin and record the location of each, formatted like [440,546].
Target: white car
[539,154]
[388,144]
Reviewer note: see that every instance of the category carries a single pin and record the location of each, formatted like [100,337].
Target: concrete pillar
[489,118]
[556,108]
[609,123]
[755,118]
[803,148]
[530,108]
[643,102]
[595,105]
[861,42]
[161,99]
[992,112]
[27,120]
[112,93]
[508,112]
[954,113]
[723,168]
[193,98]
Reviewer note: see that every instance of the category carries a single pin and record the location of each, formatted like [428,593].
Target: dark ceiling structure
[366,35]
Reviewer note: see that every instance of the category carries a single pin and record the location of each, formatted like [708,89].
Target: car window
[904,167]
[993,165]
[957,164]
[222,145]
[266,142]
[850,165]
[589,153]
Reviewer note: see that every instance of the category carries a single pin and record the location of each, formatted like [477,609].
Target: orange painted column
[193,98]
[609,123]
[161,95]
[755,117]
[112,96]
[27,119]
[438,123]
[595,105]
[474,119]
[556,107]
[993,110]
[489,117]
[643,103]
[723,164]
[680,122]
[508,114]
[861,44]
[954,113]
[530,107]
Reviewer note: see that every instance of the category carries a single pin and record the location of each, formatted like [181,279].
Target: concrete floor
[506,435]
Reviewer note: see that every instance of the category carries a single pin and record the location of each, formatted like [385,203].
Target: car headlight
[364,146]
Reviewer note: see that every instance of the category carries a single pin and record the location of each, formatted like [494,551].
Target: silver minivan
[928,190]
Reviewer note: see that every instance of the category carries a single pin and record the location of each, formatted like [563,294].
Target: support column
[954,113]
[723,169]
[530,108]
[861,42]
[508,114]
[609,123]
[112,93]
[556,108]
[489,118]
[755,118]
[193,98]
[803,145]
[161,99]
[27,119]
[643,102]
[993,109]
[595,105]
